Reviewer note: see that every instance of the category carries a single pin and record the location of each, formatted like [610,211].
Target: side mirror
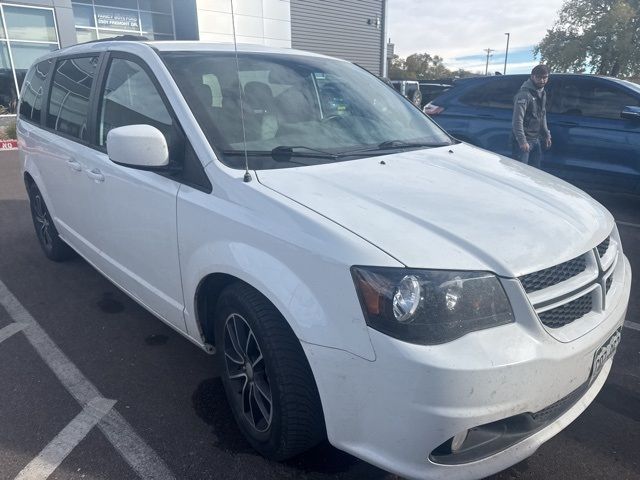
[138,146]
[631,113]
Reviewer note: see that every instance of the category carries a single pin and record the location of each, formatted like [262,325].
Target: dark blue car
[594,123]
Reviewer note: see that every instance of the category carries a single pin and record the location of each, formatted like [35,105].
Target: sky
[459,30]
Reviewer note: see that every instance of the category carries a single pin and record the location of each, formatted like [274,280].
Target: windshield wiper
[403,144]
[393,145]
[284,153]
[289,150]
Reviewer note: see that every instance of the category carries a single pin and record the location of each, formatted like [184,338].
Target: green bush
[10,131]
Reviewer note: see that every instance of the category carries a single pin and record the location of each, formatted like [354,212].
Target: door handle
[567,124]
[74,165]
[95,175]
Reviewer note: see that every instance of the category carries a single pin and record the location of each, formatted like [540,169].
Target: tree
[398,69]
[594,36]
[419,66]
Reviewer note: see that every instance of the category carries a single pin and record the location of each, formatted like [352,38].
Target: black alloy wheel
[246,371]
[266,376]
[53,246]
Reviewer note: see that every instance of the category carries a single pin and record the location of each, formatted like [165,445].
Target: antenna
[247,175]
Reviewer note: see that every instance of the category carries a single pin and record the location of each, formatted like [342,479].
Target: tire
[268,381]
[52,245]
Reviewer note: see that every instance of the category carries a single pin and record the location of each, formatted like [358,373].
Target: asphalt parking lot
[94,387]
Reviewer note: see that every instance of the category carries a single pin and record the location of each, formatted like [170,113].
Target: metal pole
[383,64]
[506,54]
[486,68]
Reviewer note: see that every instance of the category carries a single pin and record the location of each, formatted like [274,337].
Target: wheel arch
[296,286]
[207,295]
[28,179]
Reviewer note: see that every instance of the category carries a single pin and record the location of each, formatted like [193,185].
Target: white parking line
[627,224]
[146,463]
[60,447]
[10,330]
[632,325]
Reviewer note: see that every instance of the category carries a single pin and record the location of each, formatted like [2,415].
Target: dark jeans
[533,157]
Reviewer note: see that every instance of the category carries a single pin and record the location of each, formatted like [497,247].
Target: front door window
[131,98]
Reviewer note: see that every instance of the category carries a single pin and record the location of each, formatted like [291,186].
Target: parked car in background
[432,89]
[594,123]
[410,89]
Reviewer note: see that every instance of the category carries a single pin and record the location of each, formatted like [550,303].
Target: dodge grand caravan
[430,307]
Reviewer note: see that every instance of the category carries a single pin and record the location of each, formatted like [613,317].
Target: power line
[486,68]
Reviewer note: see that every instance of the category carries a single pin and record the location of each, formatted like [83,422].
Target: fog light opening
[458,441]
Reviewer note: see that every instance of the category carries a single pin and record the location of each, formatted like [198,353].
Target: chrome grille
[553,275]
[569,291]
[604,246]
[567,313]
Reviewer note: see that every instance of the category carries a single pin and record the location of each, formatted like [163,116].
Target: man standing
[529,124]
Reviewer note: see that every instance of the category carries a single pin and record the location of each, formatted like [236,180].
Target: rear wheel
[54,248]
[266,376]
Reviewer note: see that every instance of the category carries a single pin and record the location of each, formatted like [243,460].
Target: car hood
[455,207]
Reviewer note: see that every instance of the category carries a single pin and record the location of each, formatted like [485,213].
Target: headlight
[428,307]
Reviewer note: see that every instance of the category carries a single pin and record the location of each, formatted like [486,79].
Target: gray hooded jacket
[529,114]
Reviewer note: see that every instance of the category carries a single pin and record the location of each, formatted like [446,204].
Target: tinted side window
[32,91]
[591,99]
[496,93]
[69,100]
[131,98]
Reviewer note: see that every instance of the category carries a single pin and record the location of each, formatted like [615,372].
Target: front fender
[321,308]
[297,259]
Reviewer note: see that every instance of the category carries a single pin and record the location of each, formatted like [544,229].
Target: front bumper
[393,412]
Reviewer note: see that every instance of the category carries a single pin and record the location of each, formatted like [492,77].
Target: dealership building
[349,29]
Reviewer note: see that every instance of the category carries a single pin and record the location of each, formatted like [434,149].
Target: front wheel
[266,376]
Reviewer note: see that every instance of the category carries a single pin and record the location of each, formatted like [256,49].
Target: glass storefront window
[8,97]
[34,24]
[116,3]
[120,19]
[162,6]
[86,35]
[108,18]
[113,33]
[29,33]
[158,36]
[83,15]
[156,23]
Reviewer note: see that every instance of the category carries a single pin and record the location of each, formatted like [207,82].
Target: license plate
[604,353]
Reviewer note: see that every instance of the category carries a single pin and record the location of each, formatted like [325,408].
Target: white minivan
[432,308]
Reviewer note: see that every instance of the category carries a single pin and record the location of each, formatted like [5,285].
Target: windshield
[309,110]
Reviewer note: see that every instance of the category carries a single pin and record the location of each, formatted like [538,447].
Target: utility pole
[506,54]
[488,50]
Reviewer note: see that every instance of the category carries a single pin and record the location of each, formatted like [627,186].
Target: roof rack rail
[121,38]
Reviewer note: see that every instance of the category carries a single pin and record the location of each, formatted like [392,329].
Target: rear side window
[587,98]
[33,91]
[496,93]
[69,100]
